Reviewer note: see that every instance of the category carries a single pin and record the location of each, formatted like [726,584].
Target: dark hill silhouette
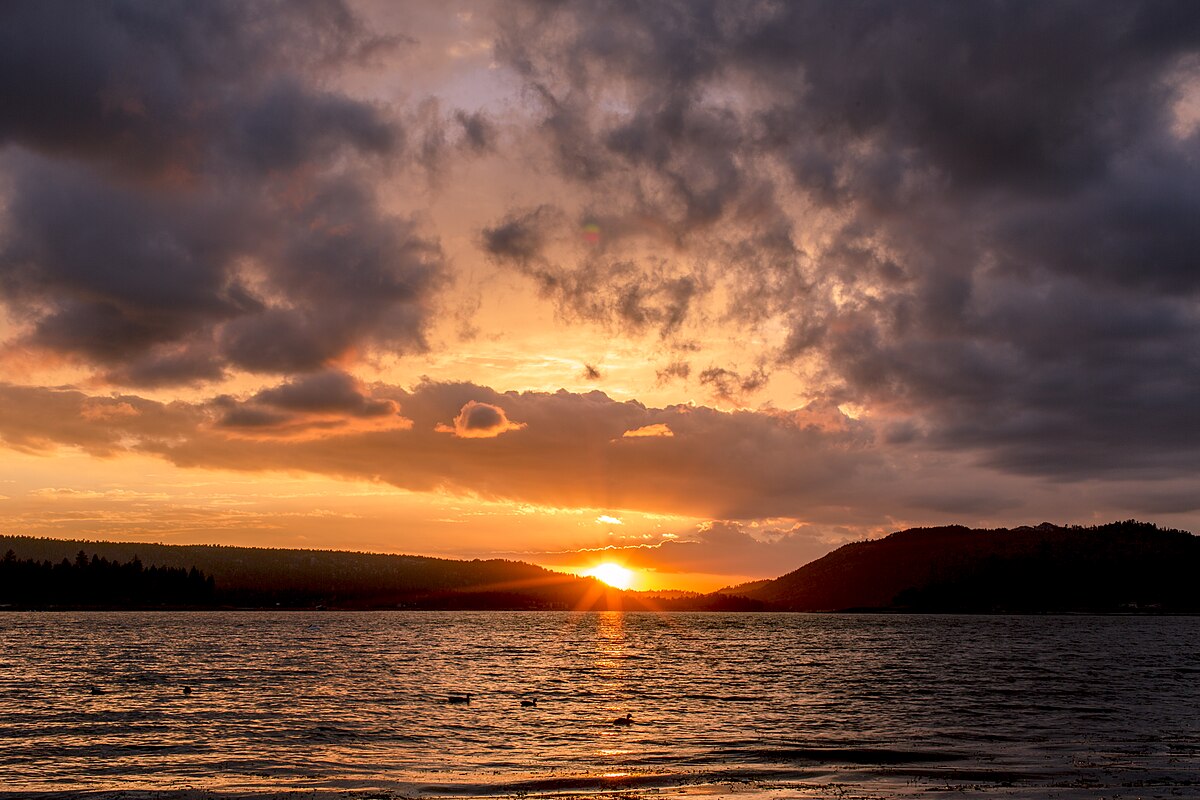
[263,577]
[1116,567]
[97,582]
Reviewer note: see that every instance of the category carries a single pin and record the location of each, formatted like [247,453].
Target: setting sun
[613,574]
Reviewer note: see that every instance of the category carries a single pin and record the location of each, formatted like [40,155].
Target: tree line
[99,582]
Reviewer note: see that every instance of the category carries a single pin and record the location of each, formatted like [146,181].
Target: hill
[1121,566]
[261,577]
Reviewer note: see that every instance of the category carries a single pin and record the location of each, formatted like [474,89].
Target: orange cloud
[657,430]
[98,412]
[477,420]
[727,465]
[736,465]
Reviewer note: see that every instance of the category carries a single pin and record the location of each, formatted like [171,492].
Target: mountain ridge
[258,577]
[1127,565]
[1117,567]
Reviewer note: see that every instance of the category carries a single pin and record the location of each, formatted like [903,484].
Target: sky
[705,288]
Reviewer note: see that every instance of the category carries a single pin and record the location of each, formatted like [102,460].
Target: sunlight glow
[613,574]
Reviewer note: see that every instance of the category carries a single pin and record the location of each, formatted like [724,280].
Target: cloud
[656,431]
[729,385]
[107,411]
[521,237]
[189,362]
[157,89]
[676,370]
[311,406]
[185,194]
[813,466]
[603,286]
[40,420]
[479,132]
[330,391]
[480,421]
[570,451]
[974,220]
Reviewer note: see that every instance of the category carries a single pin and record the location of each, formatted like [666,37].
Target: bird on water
[625,720]
[459,698]
[529,703]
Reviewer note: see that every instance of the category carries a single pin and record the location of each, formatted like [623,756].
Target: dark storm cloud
[327,391]
[149,87]
[324,403]
[108,272]
[287,125]
[189,363]
[633,295]
[676,370]
[329,402]
[187,194]
[522,237]
[478,132]
[250,417]
[352,275]
[998,197]
[443,138]
[729,385]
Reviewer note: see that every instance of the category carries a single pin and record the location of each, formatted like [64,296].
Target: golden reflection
[610,626]
[610,646]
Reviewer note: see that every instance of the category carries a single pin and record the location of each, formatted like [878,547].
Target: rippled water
[774,704]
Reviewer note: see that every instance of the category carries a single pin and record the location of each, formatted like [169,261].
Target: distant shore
[1128,567]
[63,609]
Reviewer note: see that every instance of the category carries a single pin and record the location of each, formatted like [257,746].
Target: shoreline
[756,611]
[828,785]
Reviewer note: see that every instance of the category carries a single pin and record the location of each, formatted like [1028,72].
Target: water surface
[774,704]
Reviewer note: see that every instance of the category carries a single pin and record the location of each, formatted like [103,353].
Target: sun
[613,574]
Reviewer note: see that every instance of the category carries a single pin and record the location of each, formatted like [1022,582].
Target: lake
[773,705]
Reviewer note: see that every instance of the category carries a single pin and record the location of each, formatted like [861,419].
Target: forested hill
[261,577]
[95,581]
[1122,566]
[248,576]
